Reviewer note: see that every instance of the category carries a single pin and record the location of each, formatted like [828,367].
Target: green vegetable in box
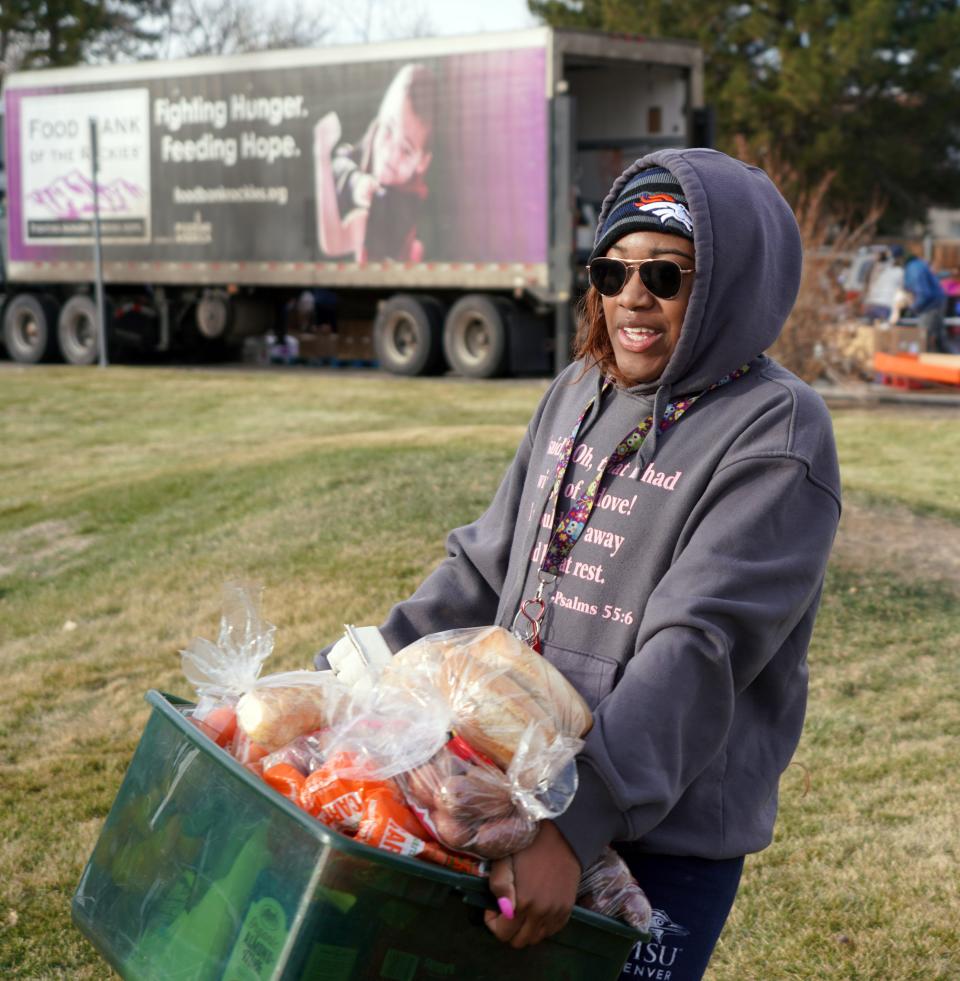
[201,934]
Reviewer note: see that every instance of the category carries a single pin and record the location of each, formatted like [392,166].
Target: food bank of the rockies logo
[654,958]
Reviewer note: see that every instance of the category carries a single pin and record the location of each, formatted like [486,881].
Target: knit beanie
[651,201]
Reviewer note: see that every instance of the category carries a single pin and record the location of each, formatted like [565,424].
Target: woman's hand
[540,883]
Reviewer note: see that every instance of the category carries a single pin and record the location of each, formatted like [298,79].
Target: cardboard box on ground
[853,343]
[901,339]
[851,348]
[351,341]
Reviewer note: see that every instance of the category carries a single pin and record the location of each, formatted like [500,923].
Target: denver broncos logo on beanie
[651,201]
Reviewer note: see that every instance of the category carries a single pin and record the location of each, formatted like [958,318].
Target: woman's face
[644,329]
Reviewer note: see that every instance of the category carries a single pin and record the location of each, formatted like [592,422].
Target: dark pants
[691,899]
[932,325]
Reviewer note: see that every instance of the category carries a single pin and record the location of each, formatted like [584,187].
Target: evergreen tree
[38,34]
[867,89]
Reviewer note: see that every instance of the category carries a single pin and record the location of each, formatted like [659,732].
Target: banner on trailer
[438,160]
[56,174]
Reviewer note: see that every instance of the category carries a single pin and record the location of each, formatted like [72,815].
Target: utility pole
[97,251]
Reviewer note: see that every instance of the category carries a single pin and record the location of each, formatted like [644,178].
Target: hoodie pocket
[591,674]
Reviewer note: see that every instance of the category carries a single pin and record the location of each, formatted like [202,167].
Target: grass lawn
[127,499]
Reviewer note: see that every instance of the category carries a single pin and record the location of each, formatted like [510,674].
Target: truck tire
[475,335]
[407,335]
[28,328]
[213,315]
[77,331]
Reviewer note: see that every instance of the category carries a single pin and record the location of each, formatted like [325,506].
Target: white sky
[387,19]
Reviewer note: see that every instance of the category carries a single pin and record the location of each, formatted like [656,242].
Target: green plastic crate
[203,872]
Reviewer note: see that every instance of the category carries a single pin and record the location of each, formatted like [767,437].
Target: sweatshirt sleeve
[464,590]
[749,565]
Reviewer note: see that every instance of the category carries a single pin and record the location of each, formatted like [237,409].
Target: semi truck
[429,202]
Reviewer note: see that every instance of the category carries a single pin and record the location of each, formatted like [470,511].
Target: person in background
[886,278]
[666,523]
[928,300]
[369,196]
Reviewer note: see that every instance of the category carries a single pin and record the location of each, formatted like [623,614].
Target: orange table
[940,369]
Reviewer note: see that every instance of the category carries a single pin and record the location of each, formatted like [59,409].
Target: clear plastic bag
[347,795]
[466,803]
[399,727]
[251,715]
[481,734]
[387,822]
[608,887]
[282,707]
[305,753]
[232,665]
[496,688]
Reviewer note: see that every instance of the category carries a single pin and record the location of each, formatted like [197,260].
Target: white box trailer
[433,196]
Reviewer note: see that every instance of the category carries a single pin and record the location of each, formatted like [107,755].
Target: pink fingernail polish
[506,907]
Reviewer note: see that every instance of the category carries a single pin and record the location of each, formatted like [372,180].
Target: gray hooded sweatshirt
[685,610]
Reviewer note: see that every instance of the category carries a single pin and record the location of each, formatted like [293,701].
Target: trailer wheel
[407,335]
[475,335]
[77,331]
[213,315]
[28,328]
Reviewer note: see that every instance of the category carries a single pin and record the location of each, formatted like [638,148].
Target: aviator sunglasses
[661,277]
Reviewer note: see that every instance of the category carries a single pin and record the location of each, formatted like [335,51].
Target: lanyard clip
[532,611]
[544,579]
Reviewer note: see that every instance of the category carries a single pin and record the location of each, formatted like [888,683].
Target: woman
[662,536]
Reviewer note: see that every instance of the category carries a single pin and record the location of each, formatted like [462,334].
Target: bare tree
[813,342]
[406,20]
[364,21]
[214,27]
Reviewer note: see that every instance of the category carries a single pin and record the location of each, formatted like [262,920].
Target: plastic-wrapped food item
[386,822]
[398,728]
[496,687]
[249,714]
[466,803]
[336,792]
[481,734]
[284,706]
[285,779]
[359,656]
[249,753]
[371,809]
[608,887]
[305,753]
[216,718]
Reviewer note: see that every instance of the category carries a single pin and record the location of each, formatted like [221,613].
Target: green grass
[860,881]
[127,498]
[907,456]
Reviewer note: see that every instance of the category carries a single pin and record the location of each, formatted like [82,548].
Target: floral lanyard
[568,529]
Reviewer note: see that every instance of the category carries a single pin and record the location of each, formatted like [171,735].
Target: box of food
[354,341]
[203,872]
[317,345]
[899,339]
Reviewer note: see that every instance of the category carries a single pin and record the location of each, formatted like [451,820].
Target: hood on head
[749,259]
